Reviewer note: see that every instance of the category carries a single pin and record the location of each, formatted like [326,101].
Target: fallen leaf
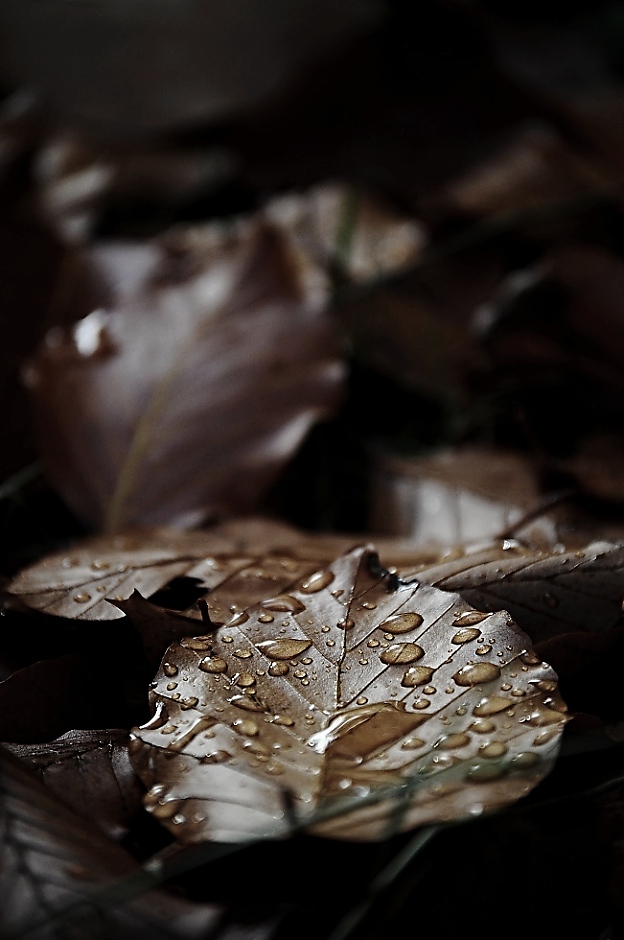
[51,860]
[238,562]
[183,395]
[546,593]
[352,684]
[90,772]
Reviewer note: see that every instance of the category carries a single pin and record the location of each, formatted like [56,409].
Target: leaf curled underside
[395,696]
[52,860]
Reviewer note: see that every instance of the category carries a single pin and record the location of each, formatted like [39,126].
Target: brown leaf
[51,860]
[238,562]
[546,593]
[185,392]
[89,771]
[350,684]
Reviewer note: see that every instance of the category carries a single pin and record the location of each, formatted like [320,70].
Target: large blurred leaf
[199,375]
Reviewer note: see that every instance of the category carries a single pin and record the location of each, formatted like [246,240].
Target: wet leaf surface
[349,683]
[547,594]
[90,772]
[53,860]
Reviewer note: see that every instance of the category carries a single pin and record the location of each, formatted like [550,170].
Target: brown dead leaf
[546,594]
[89,771]
[196,379]
[352,684]
[238,563]
[51,860]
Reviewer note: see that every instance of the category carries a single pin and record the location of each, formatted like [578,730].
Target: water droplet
[316,582]
[483,726]
[369,605]
[545,736]
[306,661]
[546,685]
[388,636]
[416,675]
[362,700]
[284,603]
[170,670]
[284,649]
[216,757]
[451,741]
[421,703]
[325,629]
[373,644]
[476,673]
[300,673]
[484,772]
[401,654]
[491,705]
[346,623]
[465,635]
[100,565]
[551,600]
[505,687]
[402,623]
[337,594]
[246,726]
[468,618]
[462,710]
[213,664]
[529,658]
[545,716]
[238,619]
[525,759]
[330,643]
[518,693]
[82,597]
[483,650]
[266,618]
[429,690]
[245,680]
[285,720]
[243,654]
[202,643]
[248,703]
[493,750]
[171,686]
[412,744]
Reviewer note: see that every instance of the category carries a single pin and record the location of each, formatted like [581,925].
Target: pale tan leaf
[546,593]
[89,771]
[350,684]
[238,562]
[52,860]
[207,360]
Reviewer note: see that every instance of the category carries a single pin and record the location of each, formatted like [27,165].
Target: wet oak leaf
[207,356]
[351,684]
[546,593]
[89,771]
[51,860]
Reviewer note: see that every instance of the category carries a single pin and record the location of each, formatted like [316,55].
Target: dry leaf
[51,859]
[184,394]
[89,771]
[350,683]
[546,594]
